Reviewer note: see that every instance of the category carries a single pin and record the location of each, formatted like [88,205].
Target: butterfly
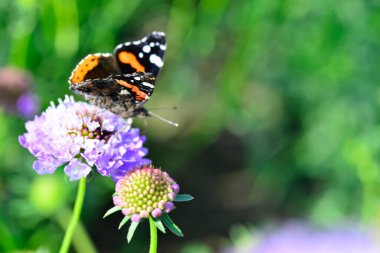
[124,81]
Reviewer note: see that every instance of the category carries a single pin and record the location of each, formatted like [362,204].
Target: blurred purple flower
[79,136]
[16,95]
[298,238]
[27,105]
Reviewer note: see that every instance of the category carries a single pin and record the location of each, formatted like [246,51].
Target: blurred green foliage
[277,102]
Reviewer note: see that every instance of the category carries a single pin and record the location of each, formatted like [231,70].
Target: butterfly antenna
[163,119]
[164,108]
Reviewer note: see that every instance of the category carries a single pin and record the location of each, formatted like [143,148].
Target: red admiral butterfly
[123,81]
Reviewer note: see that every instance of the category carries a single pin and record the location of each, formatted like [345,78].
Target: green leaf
[159,225]
[126,218]
[170,225]
[131,230]
[112,210]
[183,198]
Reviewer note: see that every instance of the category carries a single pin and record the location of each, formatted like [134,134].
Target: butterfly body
[121,82]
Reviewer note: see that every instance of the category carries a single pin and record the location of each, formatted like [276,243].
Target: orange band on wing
[129,58]
[140,95]
[85,66]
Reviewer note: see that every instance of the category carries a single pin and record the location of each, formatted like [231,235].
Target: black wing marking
[145,55]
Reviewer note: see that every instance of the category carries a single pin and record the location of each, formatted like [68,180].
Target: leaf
[131,230]
[183,198]
[165,218]
[126,218]
[159,225]
[112,210]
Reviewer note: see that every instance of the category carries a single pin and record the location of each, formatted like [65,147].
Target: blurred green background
[278,107]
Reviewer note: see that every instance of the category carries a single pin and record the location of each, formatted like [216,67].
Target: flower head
[298,237]
[79,136]
[145,191]
[16,95]
[27,105]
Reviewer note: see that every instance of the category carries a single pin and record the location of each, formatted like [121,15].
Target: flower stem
[153,236]
[81,240]
[65,246]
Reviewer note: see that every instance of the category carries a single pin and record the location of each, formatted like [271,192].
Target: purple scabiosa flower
[147,192]
[299,238]
[16,95]
[79,135]
[27,105]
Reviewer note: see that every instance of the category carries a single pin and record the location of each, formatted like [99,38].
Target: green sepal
[112,210]
[131,230]
[123,221]
[159,225]
[183,198]
[165,218]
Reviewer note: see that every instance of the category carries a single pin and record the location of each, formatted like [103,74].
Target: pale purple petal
[46,165]
[120,172]
[125,152]
[76,169]
[91,156]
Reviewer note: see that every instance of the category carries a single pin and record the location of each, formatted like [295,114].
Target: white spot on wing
[124,92]
[141,55]
[163,47]
[156,60]
[148,85]
[158,33]
[101,55]
[137,78]
[151,44]
[146,49]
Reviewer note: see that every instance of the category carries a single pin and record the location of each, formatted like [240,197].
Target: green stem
[81,240]
[75,218]
[153,236]
[8,241]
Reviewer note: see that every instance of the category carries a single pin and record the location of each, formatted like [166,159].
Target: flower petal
[76,169]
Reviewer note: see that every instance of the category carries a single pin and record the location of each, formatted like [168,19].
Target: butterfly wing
[124,81]
[93,66]
[145,55]
[121,94]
